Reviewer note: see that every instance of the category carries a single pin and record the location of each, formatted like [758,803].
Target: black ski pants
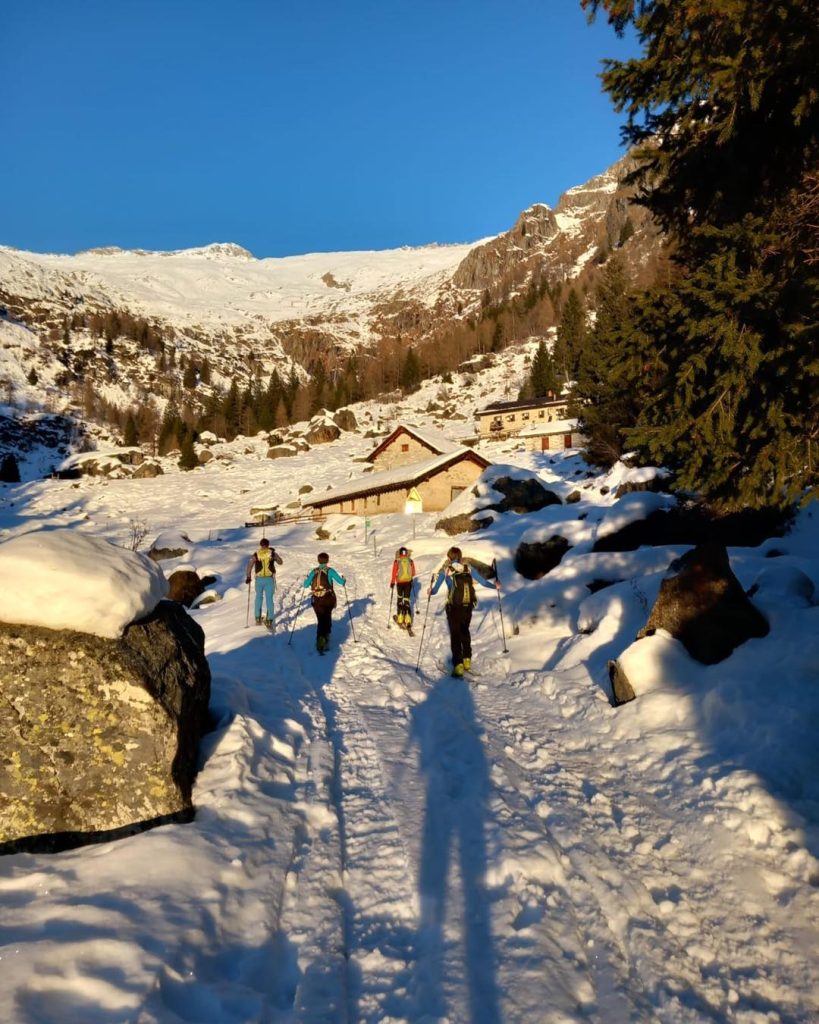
[404,598]
[323,607]
[458,617]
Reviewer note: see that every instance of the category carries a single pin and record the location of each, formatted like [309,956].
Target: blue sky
[297,126]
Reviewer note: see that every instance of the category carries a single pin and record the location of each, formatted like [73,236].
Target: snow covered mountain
[103,318]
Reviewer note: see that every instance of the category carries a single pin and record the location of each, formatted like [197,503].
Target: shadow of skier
[457,781]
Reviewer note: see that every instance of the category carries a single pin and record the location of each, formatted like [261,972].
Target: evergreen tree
[232,410]
[724,105]
[410,371]
[571,333]
[129,434]
[9,470]
[170,430]
[318,389]
[542,376]
[187,455]
[189,379]
[32,377]
[611,385]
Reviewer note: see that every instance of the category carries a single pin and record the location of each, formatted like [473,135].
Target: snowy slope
[375,844]
[222,286]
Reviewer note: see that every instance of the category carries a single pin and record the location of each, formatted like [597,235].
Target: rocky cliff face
[557,244]
[99,736]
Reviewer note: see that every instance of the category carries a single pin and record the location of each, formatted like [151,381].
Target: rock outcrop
[100,736]
[535,560]
[527,495]
[704,606]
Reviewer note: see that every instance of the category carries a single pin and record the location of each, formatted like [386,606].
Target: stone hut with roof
[410,464]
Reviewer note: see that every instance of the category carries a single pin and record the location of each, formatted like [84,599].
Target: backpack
[265,565]
[463,588]
[404,569]
[322,583]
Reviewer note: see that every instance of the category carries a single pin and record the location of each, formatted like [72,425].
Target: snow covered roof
[541,428]
[438,443]
[530,403]
[400,476]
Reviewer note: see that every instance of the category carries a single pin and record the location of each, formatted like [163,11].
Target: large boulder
[103,735]
[704,606]
[521,495]
[171,544]
[184,586]
[463,522]
[534,560]
[148,470]
[282,451]
[345,419]
[322,432]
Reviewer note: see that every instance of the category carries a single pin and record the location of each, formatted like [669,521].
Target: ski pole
[424,627]
[389,610]
[293,627]
[247,617]
[350,613]
[500,607]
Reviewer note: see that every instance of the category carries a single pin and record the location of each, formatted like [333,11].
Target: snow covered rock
[521,495]
[345,419]
[105,733]
[147,470]
[621,689]
[322,432]
[282,451]
[703,605]
[171,544]
[64,579]
[784,584]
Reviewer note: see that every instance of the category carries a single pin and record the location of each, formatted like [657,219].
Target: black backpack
[321,581]
[463,588]
[259,567]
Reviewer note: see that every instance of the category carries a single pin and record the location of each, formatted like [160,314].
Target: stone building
[408,444]
[505,419]
[551,435]
[436,481]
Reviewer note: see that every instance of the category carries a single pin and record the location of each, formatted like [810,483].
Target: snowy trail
[379,845]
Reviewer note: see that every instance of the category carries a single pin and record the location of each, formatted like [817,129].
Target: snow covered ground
[376,844]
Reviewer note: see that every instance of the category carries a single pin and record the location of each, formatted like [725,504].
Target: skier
[263,562]
[460,581]
[320,581]
[403,573]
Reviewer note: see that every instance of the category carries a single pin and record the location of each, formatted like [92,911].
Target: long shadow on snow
[448,735]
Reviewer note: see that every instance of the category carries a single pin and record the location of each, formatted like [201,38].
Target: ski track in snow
[374,844]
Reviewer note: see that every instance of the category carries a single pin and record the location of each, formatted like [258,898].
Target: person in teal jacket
[460,582]
[320,580]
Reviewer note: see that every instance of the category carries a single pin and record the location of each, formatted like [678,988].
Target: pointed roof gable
[437,443]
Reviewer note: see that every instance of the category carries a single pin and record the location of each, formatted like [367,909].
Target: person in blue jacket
[460,582]
[322,596]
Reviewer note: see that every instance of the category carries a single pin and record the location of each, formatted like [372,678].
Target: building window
[526,415]
[567,440]
[541,413]
[404,447]
[510,418]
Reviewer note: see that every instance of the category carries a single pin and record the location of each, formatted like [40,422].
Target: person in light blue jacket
[460,582]
[320,580]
